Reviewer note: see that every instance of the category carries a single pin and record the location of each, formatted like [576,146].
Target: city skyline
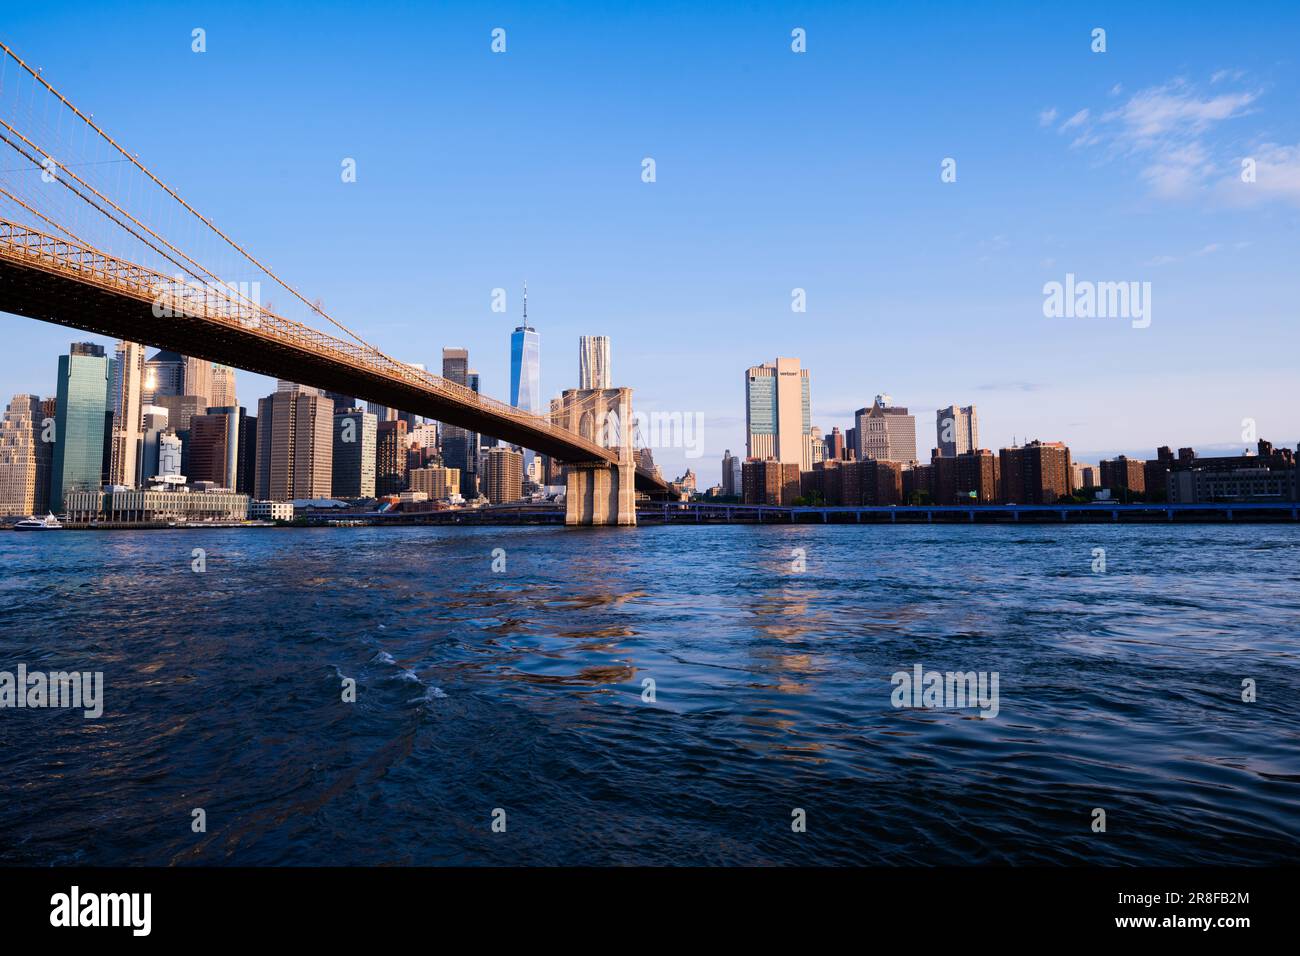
[1066,179]
[219,454]
[942,515]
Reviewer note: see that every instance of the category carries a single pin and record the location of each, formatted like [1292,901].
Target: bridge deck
[54,280]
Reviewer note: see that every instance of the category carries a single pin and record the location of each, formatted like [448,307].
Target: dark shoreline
[752,515]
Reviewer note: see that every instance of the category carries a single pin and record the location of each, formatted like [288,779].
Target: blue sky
[775,171]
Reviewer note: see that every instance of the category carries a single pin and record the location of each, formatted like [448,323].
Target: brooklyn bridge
[91,239]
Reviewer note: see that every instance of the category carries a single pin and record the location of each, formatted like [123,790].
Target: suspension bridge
[92,239]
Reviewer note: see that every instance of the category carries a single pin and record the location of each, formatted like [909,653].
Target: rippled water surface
[523,691]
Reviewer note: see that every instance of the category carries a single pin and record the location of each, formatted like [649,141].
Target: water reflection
[528,688]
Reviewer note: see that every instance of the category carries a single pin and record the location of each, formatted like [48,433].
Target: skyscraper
[505,475]
[24,458]
[223,387]
[455,365]
[957,430]
[477,440]
[525,372]
[355,432]
[207,457]
[731,474]
[128,384]
[246,477]
[295,446]
[778,413]
[460,447]
[313,446]
[425,434]
[214,447]
[180,409]
[390,457]
[885,432]
[835,444]
[340,400]
[84,397]
[106,455]
[165,387]
[164,374]
[198,379]
[593,362]
[153,424]
[525,359]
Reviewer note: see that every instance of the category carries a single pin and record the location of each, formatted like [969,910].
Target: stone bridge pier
[599,492]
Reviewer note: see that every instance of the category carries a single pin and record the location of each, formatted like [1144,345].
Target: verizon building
[778,413]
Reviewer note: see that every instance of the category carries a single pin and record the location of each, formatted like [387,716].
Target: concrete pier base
[599,492]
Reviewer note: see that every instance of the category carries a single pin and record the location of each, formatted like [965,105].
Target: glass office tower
[525,372]
[84,399]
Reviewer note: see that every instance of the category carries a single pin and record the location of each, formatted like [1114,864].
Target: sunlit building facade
[778,413]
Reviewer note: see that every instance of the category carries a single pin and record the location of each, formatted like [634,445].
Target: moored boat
[48,523]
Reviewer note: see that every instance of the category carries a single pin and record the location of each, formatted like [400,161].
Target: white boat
[48,523]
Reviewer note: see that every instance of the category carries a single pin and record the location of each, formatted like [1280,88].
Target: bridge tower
[600,492]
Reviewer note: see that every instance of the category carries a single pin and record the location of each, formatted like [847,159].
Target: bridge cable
[171,192]
[105,212]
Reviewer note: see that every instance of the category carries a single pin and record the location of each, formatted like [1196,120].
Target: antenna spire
[525,303]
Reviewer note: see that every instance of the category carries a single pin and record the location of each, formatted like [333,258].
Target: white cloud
[1168,130]
[1078,119]
[1175,110]
[1277,176]
[1177,170]
[1047,116]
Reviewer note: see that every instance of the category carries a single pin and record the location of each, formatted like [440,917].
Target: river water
[657,695]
